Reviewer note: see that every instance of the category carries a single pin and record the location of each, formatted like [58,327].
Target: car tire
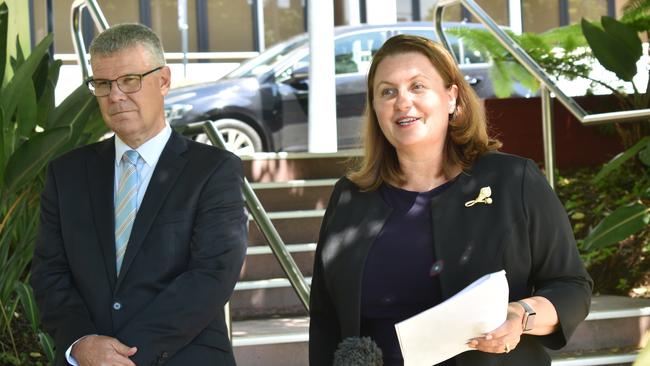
[240,138]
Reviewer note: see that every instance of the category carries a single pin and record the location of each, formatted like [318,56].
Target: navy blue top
[400,274]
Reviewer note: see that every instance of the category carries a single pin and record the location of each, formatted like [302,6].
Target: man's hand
[97,350]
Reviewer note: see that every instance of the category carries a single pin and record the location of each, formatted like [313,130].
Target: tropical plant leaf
[624,34]
[41,76]
[10,95]
[644,155]
[617,226]
[4,18]
[19,60]
[27,112]
[526,79]
[78,122]
[635,14]
[617,47]
[5,137]
[26,296]
[30,157]
[46,104]
[621,158]
[60,116]
[47,345]
[501,80]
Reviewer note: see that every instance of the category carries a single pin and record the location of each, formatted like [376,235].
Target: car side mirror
[300,73]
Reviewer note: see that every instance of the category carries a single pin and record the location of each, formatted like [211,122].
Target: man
[143,235]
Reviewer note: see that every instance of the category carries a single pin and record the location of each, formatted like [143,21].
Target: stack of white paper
[443,331]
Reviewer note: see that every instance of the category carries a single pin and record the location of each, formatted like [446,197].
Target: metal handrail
[77,36]
[548,85]
[265,225]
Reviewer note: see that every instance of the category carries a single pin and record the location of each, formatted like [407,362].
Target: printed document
[443,331]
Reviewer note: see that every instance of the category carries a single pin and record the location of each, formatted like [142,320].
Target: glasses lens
[129,83]
[100,87]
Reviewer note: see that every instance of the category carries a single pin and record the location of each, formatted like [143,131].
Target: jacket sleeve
[558,273]
[324,330]
[64,314]
[218,247]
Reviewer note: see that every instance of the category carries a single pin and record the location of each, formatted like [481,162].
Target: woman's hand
[506,337]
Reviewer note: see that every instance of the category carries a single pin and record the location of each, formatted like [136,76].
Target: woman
[432,207]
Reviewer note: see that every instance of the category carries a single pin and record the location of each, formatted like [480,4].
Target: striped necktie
[126,200]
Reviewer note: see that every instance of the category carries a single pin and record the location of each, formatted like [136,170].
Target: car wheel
[240,138]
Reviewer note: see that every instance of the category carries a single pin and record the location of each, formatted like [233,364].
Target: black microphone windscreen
[355,351]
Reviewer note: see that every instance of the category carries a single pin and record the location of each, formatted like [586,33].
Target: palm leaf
[617,226]
[26,296]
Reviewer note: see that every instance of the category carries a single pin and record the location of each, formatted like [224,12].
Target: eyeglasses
[130,83]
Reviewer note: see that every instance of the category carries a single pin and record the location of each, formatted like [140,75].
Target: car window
[353,54]
[463,53]
[267,59]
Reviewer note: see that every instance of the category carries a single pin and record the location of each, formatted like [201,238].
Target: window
[164,21]
[589,9]
[540,15]
[282,20]
[230,25]
[353,54]
[463,54]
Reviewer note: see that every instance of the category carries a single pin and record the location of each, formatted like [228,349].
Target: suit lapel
[100,170]
[167,170]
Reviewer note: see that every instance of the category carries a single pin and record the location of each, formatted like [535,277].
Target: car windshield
[267,59]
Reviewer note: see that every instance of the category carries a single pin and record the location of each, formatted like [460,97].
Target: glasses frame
[90,82]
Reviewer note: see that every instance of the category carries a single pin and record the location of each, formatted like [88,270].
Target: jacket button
[164,355]
[117,305]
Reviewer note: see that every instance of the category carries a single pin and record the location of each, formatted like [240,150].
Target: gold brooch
[483,197]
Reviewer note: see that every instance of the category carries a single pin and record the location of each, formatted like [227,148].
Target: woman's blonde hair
[467,137]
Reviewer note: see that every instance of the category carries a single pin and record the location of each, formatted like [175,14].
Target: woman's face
[411,101]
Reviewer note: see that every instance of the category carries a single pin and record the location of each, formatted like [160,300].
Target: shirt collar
[149,151]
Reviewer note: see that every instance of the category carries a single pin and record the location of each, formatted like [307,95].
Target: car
[262,104]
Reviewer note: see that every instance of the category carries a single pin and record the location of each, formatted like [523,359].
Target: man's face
[139,116]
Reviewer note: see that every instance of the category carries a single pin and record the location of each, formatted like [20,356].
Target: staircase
[270,325]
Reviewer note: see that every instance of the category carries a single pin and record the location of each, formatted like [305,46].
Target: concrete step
[624,320]
[284,341]
[293,227]
[295,194]
[278,167]
[612,357]
[279,341]
[264,299]
[261,263]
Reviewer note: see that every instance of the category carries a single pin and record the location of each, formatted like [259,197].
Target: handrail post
[548,135]
[77,36]
[266,227]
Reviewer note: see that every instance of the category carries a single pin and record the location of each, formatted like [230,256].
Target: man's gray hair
[122,36]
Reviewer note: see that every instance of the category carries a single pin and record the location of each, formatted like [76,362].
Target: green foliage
[635,14]
[620,159]
[569,63]
[32,131]
[634,214]
[590,204]
[616,46]
[619,225]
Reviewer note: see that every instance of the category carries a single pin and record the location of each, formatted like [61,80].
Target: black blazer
[525,231]
[183,258]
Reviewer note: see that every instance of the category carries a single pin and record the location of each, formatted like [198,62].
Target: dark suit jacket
[183,258]
[524,231]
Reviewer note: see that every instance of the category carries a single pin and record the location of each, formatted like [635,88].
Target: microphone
[358,351]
